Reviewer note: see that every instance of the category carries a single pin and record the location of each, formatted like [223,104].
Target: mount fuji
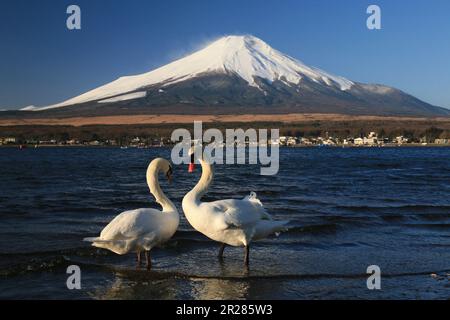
[240,74]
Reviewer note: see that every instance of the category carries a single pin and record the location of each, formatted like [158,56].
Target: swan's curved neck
[155,189]
[203,184]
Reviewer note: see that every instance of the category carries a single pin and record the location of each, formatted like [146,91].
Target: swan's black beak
[191,164]
[169,174]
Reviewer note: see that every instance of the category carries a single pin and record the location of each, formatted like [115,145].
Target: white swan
[234,222]
[142,229]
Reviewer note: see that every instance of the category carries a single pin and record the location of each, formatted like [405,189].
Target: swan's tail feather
[268,227]
[98,240]
[102,243]
[281,227]
[116,246]
[121,246]
[91,239]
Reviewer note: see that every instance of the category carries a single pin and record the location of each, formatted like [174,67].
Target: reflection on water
[216,288]
[161,285]
[137,285]
[219,289]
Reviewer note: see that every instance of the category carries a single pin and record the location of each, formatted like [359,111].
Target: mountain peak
[246,56]
[239,41]
[250,58]
[243,70]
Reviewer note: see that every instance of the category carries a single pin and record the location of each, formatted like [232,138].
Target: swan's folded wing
[238,213]
[259,207]
[131,225]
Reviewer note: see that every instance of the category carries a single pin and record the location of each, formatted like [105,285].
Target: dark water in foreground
[349,208]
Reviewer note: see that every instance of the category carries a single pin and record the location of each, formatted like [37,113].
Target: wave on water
[346,207]
[142,274]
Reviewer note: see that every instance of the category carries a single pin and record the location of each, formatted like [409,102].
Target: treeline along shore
[414,130]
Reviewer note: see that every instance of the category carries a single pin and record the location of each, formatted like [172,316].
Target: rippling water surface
[348,209]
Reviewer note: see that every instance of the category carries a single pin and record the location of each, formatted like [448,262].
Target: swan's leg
[148,260]
[247,255]
[138,253]
[222,247]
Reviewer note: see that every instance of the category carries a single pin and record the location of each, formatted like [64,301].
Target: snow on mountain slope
[29,108]
[245,56]
[124,97]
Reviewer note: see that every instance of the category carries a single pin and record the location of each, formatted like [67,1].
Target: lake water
[348,209]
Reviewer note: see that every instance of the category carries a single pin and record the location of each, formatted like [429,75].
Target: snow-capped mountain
[244,72]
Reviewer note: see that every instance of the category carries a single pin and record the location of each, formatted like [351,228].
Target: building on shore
[8,140]
[371,140]
[358,141]
[400,140]
[292,141]
[442,141]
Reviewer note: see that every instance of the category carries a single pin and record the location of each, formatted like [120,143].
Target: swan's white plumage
[141,229]
[235,222]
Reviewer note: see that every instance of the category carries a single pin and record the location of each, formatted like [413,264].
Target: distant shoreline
[188,118]
[153,129]
[405,145]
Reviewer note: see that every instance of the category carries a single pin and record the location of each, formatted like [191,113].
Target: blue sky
[42,62]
